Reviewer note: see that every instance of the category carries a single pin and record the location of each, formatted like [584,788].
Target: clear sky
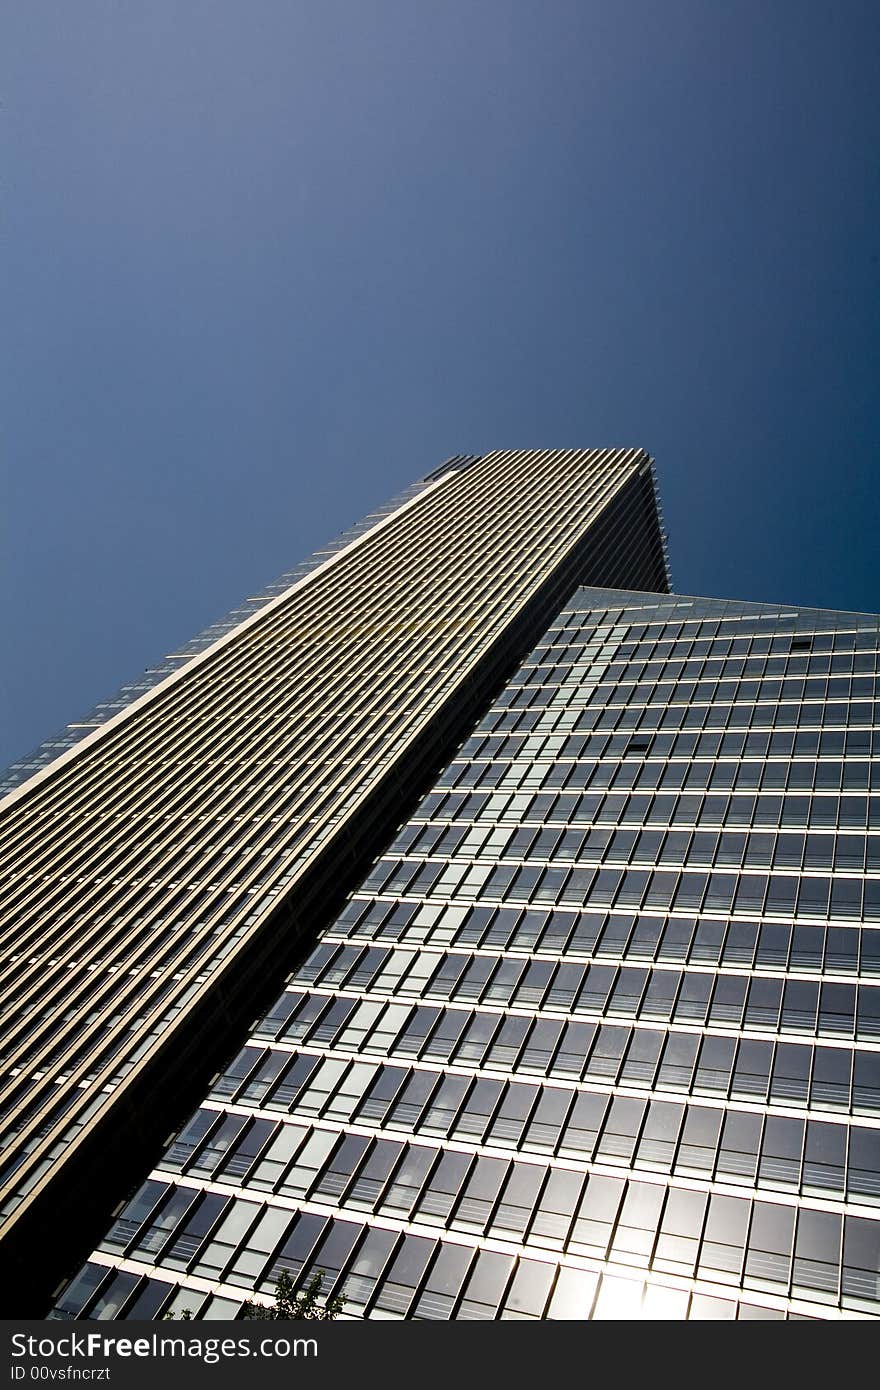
[264,262]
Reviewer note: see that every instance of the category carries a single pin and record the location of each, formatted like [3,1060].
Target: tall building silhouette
[585,1020]
[166,857]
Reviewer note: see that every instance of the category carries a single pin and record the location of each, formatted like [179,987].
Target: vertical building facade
[166,859]
[598,1033]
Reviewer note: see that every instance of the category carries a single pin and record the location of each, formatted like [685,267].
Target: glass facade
[598,1034]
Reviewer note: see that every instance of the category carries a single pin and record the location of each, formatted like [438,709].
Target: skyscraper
[596,1033]
[166,857]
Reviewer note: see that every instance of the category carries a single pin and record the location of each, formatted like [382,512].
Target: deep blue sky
[264,263]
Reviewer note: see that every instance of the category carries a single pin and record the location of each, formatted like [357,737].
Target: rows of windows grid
[224,1144]
[682,1123]
[712,1236]
[509,929]
[453,1282]
[732,1063]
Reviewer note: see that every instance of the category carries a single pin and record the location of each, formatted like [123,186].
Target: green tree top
[289,1305]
